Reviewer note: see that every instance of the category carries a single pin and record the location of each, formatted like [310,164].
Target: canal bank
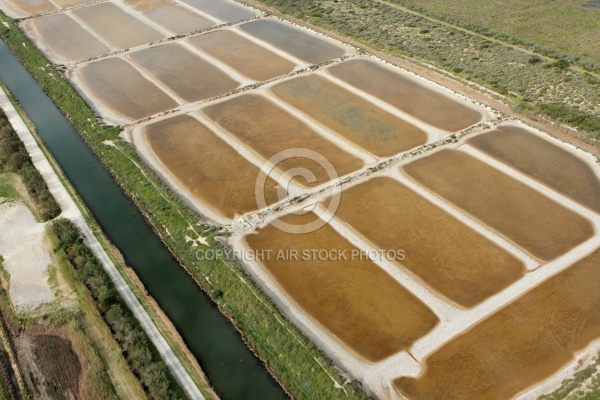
[71,211]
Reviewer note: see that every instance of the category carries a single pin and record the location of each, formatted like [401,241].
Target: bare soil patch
[58,364]
[52,365]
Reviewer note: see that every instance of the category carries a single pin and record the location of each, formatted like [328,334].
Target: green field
[7,191]
[565,26]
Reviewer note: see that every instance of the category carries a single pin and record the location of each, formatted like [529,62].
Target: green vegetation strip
[9,390]
[585,385]
[302,369]
[533,85]
[14,158]
[9,355]
[78,331]
[94,335]
[141,295]
[7,191]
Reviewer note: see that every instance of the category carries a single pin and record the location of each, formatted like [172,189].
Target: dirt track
[49,363]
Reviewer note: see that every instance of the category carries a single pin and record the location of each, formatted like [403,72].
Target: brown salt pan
[543,161]
[294,41]
[205,165]
[365,124]
[518,346]
[445,253]
[174,18]
[184,72]
[406,94]
[268,130]
[247,57]
[533,221]
[355,300]
[69,40]
[116,26]
[122,88]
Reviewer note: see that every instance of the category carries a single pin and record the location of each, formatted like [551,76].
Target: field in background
[566,26]
[533,84]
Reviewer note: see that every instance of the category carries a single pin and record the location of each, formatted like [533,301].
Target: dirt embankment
[49,364]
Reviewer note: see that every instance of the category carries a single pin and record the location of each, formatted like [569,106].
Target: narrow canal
[231,367]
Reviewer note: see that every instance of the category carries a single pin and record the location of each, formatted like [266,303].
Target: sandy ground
[26,257]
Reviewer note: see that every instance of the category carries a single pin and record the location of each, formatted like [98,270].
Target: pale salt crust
[26,257]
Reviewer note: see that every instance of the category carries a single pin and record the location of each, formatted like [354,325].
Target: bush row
[142,357]
[14,158]
[140,353]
